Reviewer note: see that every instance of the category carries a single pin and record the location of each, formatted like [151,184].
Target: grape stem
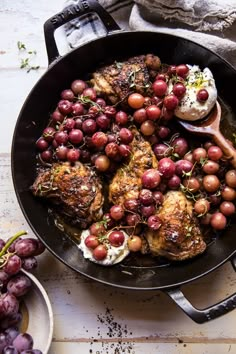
[12,239]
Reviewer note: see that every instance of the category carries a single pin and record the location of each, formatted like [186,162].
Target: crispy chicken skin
[118,80]
[126,183]
[76,190]
[179,236]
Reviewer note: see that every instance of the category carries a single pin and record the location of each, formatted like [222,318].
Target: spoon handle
[228,150]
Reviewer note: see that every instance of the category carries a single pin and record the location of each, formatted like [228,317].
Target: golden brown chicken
[126,183]
[116,81]
[76,190]
[179,236]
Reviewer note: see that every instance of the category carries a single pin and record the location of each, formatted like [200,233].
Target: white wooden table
[91,317]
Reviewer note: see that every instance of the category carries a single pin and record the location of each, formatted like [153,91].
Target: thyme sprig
[25,62]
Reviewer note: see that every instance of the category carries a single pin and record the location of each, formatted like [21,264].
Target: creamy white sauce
[189,107]
[114,254]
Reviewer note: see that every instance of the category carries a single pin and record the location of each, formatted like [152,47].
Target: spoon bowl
[210,126]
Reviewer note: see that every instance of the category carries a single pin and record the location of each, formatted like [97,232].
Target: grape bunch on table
[16,253]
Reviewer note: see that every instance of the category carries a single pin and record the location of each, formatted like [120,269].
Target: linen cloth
[211,23]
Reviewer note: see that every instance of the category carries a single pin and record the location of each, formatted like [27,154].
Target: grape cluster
[84,127]
[16,253]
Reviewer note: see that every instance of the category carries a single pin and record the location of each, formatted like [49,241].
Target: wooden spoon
[211,127]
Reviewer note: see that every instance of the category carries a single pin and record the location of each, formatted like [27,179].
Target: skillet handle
[207,314]
[84,7]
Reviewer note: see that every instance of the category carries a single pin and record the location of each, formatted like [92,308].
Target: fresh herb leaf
[21,46]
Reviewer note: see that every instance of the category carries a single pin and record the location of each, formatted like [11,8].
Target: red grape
[19,285]
[192,184]
[29,263]
[112,151]
[158,197]
[145,196]
[163,131]
[97,229]
[99,139]
[61,137]
[180,146]
[211,183]
[227,208]
[218,221]
[57,117]
[23,341]
[148,127]
[161,150]
[67,94]
[90,93]
[140,115]
[230,178]
[179,89]
[13,265]
[134,243]
[89,126]
[182,70]
[77,109]
[117,212]
[121,118]
[116,238]
[202,95]
[100,252]
[171,102]
[102,163]
[174,182]
[199,154]
[151,178]
[147,210]
[110,111]
[91,241]
[159,87]
[48,133]
[126,136]
[101,102]
[153,112]
[42,144]
[26,247]
[135,100]
[69,124]
[131,204]
[201,206]
[228,193]
[73,155]
[65,106]
[166,167]
[61,152]
[125,150]
[133,219]
[211,167]
[154,222]
[78,86]
[182,167]
[103,121]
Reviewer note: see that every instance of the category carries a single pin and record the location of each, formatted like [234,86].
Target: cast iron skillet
[33,119]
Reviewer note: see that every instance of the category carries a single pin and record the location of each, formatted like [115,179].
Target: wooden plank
[141,348]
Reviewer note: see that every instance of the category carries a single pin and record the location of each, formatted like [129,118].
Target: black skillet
[34,117]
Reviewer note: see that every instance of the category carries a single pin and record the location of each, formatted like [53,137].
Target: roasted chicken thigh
[179,236]
[75,190]
[116,81]
[126,183]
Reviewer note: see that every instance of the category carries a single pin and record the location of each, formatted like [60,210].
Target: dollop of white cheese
[189,107]
[114,254]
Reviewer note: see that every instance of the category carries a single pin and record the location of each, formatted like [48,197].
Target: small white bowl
[37,315]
